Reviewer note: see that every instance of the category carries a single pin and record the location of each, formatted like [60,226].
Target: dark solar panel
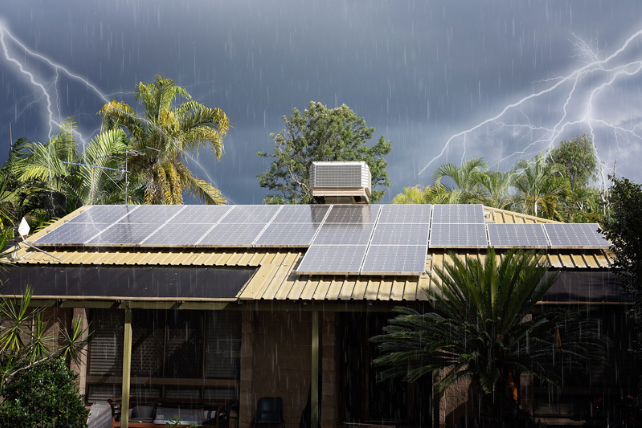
[353,214]
[178,234]
[104,213]
[125,234]
[400,234]
[395,260]
[72,233]
[301,214]
[399,214]
[458,213]
[284,234]
[575,235]
[463,235]
[517,235]
[250,214]
[345,234]
[329,259]
[207,214]
[234,234]
[152,214]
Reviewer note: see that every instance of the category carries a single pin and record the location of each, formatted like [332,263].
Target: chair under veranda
[269,411]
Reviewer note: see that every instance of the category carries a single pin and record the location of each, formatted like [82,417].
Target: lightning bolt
[580,90]
[51,100]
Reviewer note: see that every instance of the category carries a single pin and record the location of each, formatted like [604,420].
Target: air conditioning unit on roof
[340,182]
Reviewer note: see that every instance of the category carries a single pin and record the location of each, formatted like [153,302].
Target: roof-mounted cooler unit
[340,182]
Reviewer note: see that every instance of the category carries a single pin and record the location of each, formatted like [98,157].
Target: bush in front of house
[44,395]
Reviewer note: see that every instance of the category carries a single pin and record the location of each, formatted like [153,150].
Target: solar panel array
[342,239]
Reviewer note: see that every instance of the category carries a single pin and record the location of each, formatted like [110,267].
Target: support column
[246,396]
[329,403]
[314,381]
[127,363]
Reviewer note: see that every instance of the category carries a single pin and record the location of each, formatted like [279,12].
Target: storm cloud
[422,72]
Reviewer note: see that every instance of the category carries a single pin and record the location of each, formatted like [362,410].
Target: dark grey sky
[422,72]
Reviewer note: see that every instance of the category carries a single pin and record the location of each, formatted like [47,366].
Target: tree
[624,229]
[164,136]
[467,178]
[483,327]
[435,194]
[578,158]
[70,178]
[320,134]
[540,187]
[37,387]
[45,395]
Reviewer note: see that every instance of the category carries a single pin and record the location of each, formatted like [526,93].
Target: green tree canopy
[578,158]
[320,134]
[164,136]
[624,229]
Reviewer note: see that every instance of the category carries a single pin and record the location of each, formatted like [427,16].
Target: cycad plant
[484,327]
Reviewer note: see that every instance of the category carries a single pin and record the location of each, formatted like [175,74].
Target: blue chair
[269,411]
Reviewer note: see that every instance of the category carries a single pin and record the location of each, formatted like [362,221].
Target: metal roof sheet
[275,279]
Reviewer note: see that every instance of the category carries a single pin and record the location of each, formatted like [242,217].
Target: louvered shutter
[106,342]
[223,345]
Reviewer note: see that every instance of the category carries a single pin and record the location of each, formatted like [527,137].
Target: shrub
[45,395]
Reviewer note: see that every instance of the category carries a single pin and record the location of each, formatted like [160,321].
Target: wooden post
[127,364]
[314,381]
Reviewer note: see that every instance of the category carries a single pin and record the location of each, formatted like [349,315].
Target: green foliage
[24,341]
[624,229]
[484,327]
[320,134]
[578,158]
[555,187]
[44,395]
[164,136]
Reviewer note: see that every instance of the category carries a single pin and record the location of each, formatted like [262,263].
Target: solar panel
[206,214]
[400,234]
[178,234]
[72,233]
[517,235]
[332,259]
[301,214]
[287,235]
[458,213]
[464,235]
[250,214]
[344,234]
[575,235]
[125,234]
[232,234]
[152,214]
[353,214]
[401,214]
[104,213]
[395,260]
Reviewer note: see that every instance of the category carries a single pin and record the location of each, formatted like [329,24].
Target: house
[244,302]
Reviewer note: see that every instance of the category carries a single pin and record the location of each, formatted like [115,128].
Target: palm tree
[540,187]
[467,178]
[164,136]
[497,188]
[483,327]
[436,194]
[67,179]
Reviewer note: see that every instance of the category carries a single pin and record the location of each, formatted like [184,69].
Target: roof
[275,278]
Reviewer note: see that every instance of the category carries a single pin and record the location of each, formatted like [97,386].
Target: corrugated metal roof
[275,279]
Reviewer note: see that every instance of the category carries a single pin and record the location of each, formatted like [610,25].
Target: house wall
[276,354]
